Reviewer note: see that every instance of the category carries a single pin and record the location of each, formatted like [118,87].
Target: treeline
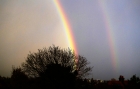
[56,68]
[49,68]
[19,80]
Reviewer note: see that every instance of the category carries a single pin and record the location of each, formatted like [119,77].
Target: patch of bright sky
[27,25]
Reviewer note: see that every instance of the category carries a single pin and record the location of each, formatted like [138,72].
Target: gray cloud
[27,26]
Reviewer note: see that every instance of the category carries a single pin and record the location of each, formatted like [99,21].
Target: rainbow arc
[108,26]
[67,26]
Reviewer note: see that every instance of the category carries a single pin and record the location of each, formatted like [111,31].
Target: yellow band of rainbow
[67,26]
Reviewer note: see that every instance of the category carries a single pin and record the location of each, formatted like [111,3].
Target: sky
[106,33]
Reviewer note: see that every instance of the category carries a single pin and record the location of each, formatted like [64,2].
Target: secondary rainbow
[66,25]
[110,34]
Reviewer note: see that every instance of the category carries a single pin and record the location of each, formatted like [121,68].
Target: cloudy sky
[106,32]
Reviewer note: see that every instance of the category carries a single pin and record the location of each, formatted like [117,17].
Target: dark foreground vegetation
[56,68]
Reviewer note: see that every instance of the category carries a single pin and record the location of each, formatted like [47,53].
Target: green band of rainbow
[110,34]
[66,25]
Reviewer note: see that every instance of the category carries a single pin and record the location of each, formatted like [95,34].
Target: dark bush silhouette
[5,83]
[18,78]
[37,63]
[58,77]
[121,78]
[55,68]
[135,79]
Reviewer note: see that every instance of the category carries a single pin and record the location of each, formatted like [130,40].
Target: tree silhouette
[18,78]
[135,79]
[58,77]
[37,63]
[121,78]
[55,68]
[5,82]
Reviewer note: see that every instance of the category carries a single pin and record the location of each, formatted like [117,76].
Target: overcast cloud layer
[28,25]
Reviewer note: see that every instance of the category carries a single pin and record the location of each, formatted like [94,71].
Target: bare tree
[36,63]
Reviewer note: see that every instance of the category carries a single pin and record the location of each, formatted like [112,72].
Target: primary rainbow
[110,34]
[66,25]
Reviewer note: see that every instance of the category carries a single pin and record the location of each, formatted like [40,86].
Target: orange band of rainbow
[67,26]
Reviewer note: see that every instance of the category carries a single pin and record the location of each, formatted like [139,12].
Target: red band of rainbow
[110,34]
[67,26]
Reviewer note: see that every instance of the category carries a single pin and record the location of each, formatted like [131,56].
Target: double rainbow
[108,26]
[67,26]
